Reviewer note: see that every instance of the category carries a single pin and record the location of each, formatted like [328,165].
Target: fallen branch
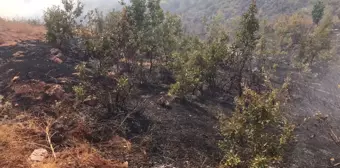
[47,132]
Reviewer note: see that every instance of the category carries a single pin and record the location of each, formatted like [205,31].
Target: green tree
[316,46]
[172,35]
[137,17]
[61,22]
[196,62]
[154,41]
[318,11]
[245,44]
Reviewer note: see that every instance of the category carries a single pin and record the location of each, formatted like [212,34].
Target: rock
[56,91]
[19,54]
[15,78]
[54,51]
[39,155]
[91,101]
[56,59]
[61,56]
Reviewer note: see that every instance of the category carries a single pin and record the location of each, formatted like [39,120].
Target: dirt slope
[12,32]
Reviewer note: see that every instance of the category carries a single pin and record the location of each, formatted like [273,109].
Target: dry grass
[14,31]
[19,140]
[16,144]
[82,156]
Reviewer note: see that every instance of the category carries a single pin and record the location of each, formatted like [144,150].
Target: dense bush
[61,22]
[199,60]
[257,134]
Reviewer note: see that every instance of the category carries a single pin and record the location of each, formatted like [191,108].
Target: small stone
[15,78]
[38,155]
[19,54]
[55,59]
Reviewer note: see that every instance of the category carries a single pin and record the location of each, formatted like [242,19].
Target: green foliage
[80,92]
[245,44]
[60,22]
[172,34]
[81,69]
[124,46]
[316,46]
[318,11]
[290,30]
[123,91]
[140,34]
[308,45]
[249,26]
[196,63]
[127,46]
[193,11]
[257,134]
[188,65]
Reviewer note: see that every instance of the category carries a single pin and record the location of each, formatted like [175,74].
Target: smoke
[35,8]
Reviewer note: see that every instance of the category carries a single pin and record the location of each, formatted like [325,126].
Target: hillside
[132,88]
[193,11]
[230,8]
[235,8]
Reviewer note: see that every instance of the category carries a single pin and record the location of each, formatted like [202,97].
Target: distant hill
[232,8]
[192,11]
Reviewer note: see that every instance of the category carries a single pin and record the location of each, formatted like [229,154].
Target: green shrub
[80,92]
[257,133]
[188,66]
[60,22]
[318,11]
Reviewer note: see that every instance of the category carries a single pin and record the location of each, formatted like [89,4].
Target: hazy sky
[33,8]
[24,8]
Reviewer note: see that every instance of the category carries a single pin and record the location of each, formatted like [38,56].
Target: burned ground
[34,76]
[184,135]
